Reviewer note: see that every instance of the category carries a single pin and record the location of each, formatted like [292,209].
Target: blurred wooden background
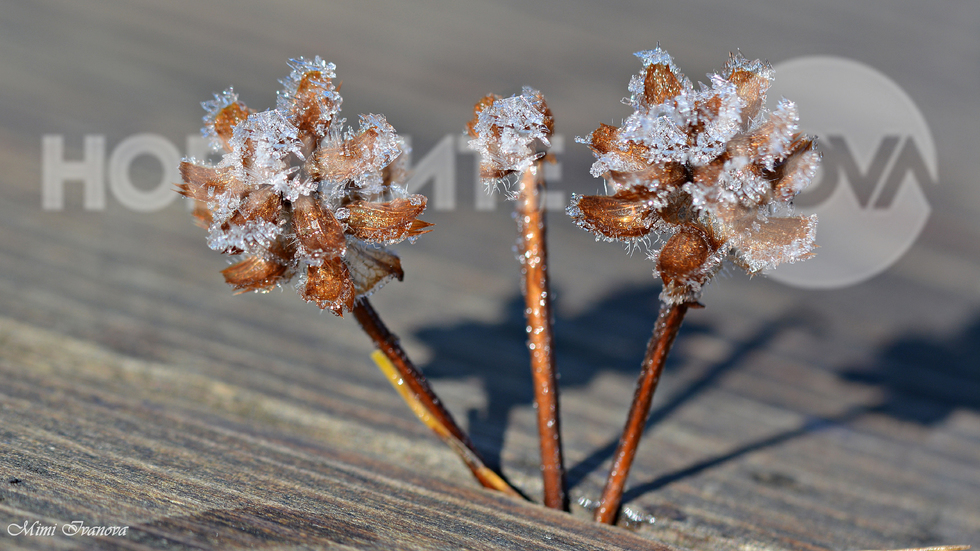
[135,390]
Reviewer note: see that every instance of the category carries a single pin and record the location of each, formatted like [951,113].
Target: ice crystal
[309,95]
[220,114]
[711,168]
[504,131]
[297,193]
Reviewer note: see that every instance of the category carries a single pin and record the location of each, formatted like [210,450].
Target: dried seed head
[504,131]
[297,193]
[710,167]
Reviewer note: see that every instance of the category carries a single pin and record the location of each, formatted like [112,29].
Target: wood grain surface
[136,390]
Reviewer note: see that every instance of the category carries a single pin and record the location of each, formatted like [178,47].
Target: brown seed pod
[660,84]
[226,120]
[605,141]
[329,285]
[311,111]
[296,191]
[388,222]
[613,217]
[318,232]
[683,256]
[262,204]
[254,274]
[752,88]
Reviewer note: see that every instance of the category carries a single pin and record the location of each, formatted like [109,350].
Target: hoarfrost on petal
[253,237]
[718,118]
[640,96]
[658,56]
[223,205]
[264,140]
[301,66]
[319,74]
[738,62]
[505,131]
[661,130]
[799,172]
[214,106]
[386,146]
[212,110]
[777,241]
[785,124]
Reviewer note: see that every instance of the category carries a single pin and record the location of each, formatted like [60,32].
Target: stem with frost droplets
[668,323]
[533,256]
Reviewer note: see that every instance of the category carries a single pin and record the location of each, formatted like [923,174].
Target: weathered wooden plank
[134,388]
[99,439]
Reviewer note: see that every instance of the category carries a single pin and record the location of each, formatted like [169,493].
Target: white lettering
[439,165]
[56,171]
[78,528]
[72,528]
[31,529]
[123,156]
[15,529]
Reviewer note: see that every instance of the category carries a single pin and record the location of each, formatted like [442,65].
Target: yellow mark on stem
[386,367]
[484,473]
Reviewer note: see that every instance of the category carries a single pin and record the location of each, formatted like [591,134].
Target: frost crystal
[296,193]
[711,168]
[504,130]
[220,114]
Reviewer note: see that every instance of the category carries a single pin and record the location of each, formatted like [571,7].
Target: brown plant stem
[533,255]
[668,323]
[420,397]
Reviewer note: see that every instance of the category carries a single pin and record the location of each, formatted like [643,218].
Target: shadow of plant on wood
[758,340]
[609,337]
[924,379]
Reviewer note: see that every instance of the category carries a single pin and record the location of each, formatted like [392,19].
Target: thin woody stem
[422,399]
[533,256]
[668,323]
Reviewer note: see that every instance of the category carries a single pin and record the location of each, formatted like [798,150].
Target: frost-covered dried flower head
[298,194]
[710,167]
[504,131]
